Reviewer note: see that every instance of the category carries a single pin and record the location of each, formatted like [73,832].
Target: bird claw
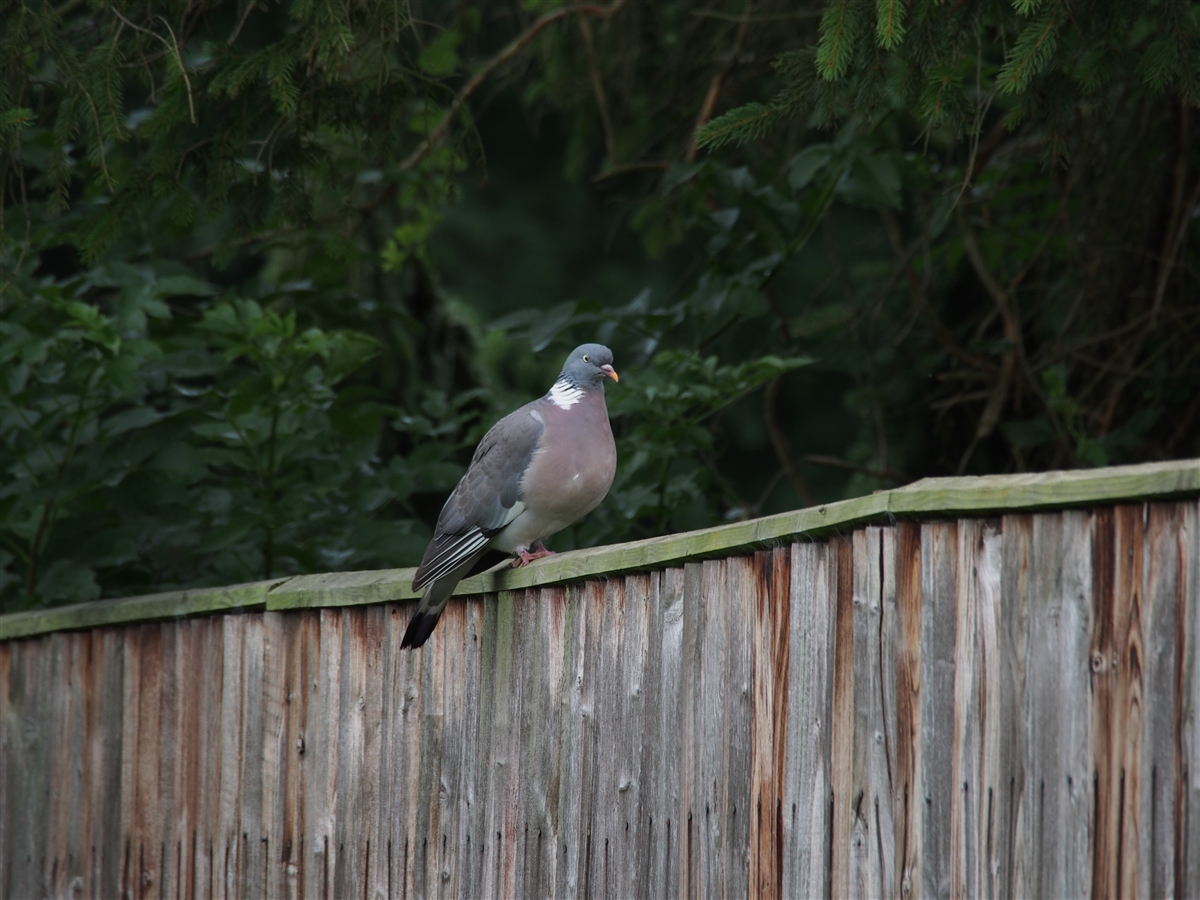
[524,557]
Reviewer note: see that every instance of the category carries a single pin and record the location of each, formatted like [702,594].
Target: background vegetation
[268,270]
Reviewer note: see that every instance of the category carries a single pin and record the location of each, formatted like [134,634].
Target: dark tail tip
[420,627]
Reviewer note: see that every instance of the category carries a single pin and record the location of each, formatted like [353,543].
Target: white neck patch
[564,395]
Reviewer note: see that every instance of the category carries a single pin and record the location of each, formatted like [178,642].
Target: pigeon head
[587,366]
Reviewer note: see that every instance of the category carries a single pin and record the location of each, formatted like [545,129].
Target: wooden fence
[958,688]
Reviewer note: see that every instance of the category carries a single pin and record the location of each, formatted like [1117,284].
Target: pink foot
[524,557]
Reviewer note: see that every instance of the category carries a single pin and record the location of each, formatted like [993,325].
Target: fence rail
[956,688]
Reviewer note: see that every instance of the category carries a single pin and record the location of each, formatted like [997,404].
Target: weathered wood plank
[590,847]
[1155,800]
[275,757]
[841,738]
[907,704]
[1015,703]
[977,779]
[737,710]
[58,760]
[106,752]
[624,717]
[370,828]
[1117,657]
[501,770]
[1187,717]
[471,791]
[253,855]
[872,852]
[210,849]
[691,783]
[639,680]
[543,621]
[401,751]
[807,793]
[130,870]
[130,610]
[609,739]
[665,740]
[158,823]
[718,685]
[436,752]
[184,722]
[144,702]
[7,753]
[770,657]
[570,863]
[939,577]
[321,757]
[6,750]
[350,794]
[72,792]
[456,759]
[228,838]
[1057,812]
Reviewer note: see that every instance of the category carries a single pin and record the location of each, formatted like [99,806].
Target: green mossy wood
[931,497]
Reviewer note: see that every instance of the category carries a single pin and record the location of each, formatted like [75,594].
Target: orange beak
[610,372]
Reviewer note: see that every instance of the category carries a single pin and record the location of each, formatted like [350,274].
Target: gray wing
[488,496]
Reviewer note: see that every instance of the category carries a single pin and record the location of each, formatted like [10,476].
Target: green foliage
[1044,56]
[840,29]
[667,449]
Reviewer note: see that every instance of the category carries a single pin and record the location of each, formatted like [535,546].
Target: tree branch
[714,86]
[514,47]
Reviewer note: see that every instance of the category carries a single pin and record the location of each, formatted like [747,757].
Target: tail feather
[436,596]
[420,627]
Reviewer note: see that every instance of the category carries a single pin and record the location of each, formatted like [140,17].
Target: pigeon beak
[610,372]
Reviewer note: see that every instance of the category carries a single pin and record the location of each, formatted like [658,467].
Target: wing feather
[487,498]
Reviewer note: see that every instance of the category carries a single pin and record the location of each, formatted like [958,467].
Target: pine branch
[1032,53]
[889,26]
[839,30]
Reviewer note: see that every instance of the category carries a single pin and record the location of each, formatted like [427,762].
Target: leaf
[66,581]
[807,163]
[440,56]
[183,286]
[130,420]
[874,181]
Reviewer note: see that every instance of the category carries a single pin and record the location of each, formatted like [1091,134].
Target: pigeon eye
[585,359]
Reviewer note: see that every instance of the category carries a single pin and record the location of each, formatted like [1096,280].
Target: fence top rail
[928,498]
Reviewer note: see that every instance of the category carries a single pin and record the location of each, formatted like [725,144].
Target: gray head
[588,365]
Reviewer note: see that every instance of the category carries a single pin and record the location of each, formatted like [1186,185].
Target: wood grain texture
[1013,813]
[1187,773]
[995,707]
[841,738]
[1159,742]
[807,793]
[935,788]
[769,656]
[907,692]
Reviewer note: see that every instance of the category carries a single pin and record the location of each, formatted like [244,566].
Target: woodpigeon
[534,473]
